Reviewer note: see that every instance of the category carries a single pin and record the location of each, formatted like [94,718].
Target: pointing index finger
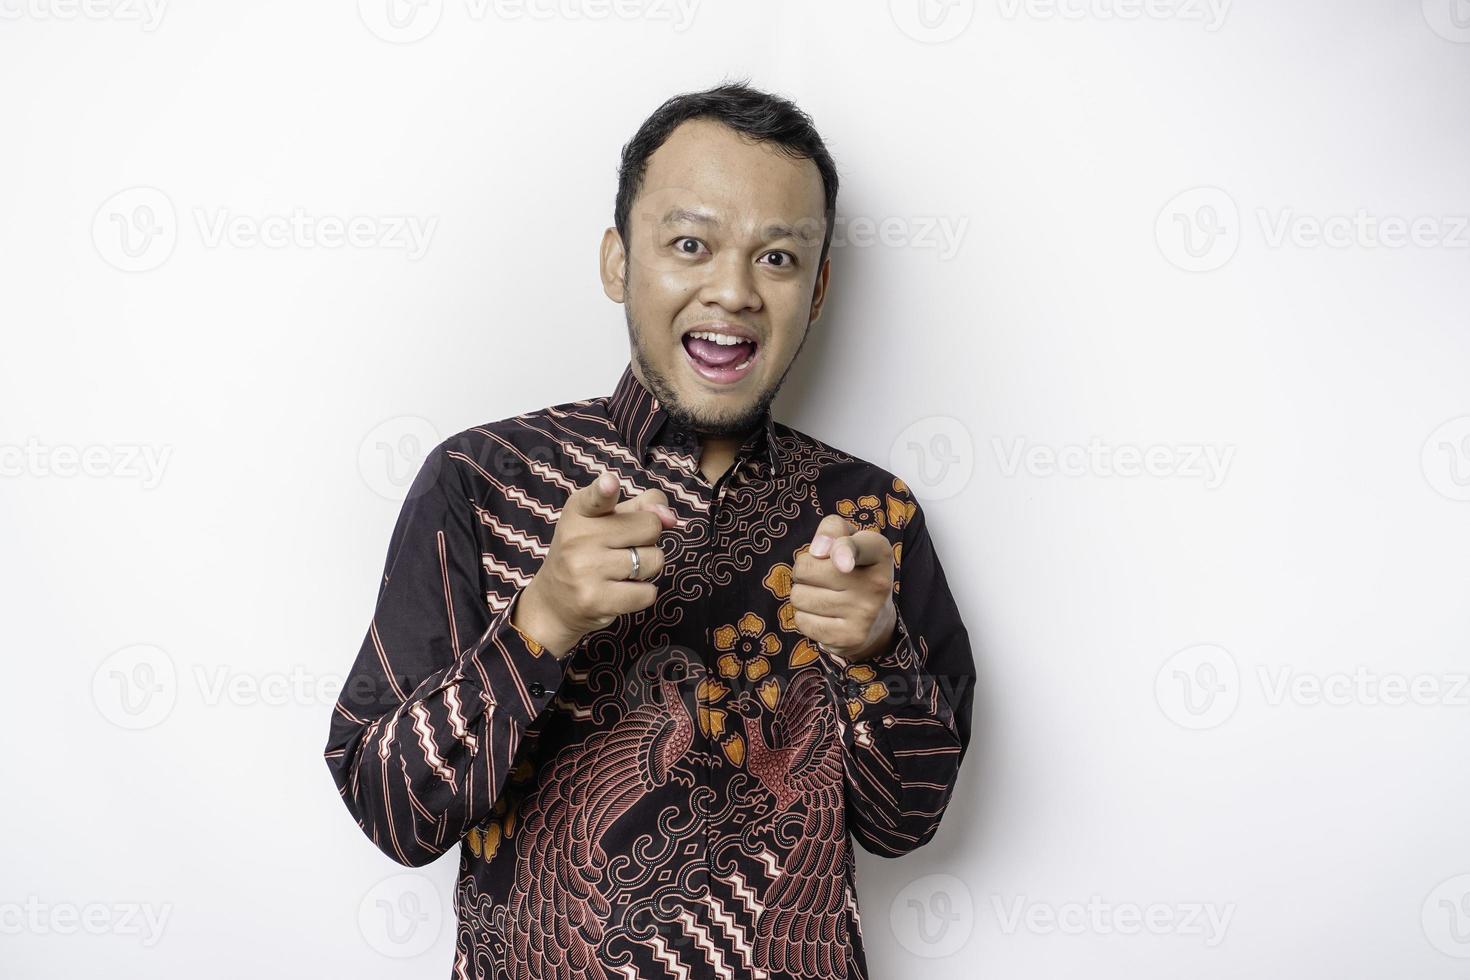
[598,497]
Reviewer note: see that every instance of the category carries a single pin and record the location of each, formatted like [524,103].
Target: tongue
[717,354]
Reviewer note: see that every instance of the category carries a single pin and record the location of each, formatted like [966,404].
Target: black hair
[757,115]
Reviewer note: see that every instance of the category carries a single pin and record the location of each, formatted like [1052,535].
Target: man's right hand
[583,583]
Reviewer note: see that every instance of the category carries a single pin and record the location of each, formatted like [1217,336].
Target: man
[651,658]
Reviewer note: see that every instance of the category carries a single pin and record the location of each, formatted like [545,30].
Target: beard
[728,425]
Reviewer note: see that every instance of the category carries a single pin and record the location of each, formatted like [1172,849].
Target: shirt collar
[640,420]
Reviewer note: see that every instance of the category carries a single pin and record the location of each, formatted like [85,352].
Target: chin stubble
[668,397]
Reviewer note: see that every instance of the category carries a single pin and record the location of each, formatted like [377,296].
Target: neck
[716,456]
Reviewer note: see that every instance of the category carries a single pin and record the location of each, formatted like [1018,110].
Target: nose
[730,283]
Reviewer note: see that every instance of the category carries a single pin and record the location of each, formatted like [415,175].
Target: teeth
[723,339]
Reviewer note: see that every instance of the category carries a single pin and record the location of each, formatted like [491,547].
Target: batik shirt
[678,796]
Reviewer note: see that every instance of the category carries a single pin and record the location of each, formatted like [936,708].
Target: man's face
[724,238]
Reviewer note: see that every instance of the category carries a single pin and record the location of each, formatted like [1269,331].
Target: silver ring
[637,564]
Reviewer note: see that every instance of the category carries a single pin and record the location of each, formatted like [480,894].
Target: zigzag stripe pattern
[426,742]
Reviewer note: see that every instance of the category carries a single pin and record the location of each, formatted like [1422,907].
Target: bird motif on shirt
[800,931]
[556,915]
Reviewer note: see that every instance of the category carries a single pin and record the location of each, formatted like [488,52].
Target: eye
[787,258]
[681,242]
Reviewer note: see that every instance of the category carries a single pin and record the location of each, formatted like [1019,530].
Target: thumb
[598,497]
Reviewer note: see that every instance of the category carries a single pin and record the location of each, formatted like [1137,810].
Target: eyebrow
[771,231]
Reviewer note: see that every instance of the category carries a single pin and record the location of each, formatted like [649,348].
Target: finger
[867,547]
[652,500]
[629,597]
[819,601]
[619,565]
[598,497]
[628,530]
[818,571]
[832,527]
[827,630]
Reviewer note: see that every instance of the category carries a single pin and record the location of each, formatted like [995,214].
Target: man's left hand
[842,590]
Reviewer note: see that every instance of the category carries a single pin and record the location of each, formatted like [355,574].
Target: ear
[613,265]
[819,291]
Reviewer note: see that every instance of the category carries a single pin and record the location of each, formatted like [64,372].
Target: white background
[1191,679]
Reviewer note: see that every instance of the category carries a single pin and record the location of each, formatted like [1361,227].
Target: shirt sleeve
[444,687]
[906,710]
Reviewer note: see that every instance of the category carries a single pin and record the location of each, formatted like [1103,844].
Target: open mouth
[722,354]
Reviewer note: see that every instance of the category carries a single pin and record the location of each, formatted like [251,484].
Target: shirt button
[537,689]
